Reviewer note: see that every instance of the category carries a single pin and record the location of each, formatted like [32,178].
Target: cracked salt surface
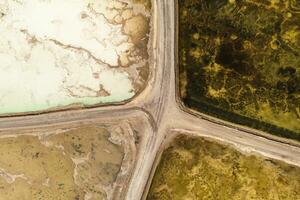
[55,53]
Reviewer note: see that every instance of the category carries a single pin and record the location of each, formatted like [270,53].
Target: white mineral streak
[55,53]
[10,178]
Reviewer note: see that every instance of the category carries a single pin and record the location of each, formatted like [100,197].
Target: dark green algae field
[239,60]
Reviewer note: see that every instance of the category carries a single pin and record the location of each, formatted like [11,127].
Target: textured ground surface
[196,169]
[240,61]
[81,163]
[55,53]
[162,111]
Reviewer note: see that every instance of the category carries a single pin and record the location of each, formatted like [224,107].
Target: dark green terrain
[240,61]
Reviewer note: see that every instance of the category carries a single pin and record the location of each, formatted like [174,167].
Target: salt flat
[55,53]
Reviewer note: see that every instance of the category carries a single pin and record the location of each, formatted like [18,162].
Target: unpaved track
[159,105]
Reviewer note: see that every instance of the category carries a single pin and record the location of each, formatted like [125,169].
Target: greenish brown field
[240,61]
[198,169]
[74,165]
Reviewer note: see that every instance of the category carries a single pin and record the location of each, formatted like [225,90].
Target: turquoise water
[87,101]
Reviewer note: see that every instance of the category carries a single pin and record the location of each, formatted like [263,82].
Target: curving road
[159,105]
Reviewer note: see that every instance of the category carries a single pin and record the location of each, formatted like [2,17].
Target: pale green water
[88,101]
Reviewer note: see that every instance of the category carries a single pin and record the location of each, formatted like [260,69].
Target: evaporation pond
[56,53]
